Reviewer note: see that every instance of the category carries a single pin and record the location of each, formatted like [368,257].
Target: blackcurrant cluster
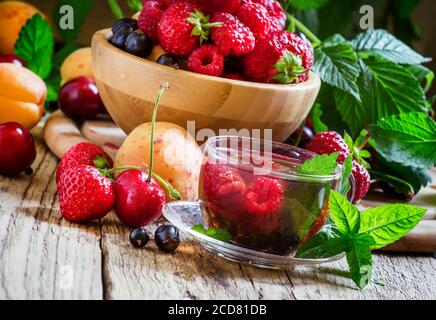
[126,36]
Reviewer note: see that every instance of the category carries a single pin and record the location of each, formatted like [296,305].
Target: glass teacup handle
[353,190]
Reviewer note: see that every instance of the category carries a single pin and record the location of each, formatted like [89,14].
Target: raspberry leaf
[337,65]
[385,45]
[408,139]
[323,165]
[308,4]
[344,214]
[389,223]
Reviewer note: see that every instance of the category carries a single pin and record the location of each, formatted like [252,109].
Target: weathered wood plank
[189,273]
[41,255]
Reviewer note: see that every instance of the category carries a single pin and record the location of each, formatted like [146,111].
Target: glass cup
[250,188]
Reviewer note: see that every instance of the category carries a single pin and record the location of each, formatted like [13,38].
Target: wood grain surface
[44,257]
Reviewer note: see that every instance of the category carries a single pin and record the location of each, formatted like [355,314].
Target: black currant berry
[139,237]
[132,24]
[119,38]
[138,44]
[169,60]
[167,238]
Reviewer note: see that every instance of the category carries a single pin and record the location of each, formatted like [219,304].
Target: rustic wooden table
[43,256]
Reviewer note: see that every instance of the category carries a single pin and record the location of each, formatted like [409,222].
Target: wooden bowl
[128,87]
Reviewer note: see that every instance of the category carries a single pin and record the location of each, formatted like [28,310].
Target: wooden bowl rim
[313,82]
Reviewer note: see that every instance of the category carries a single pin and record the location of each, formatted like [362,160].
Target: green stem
[173,192]
[309,34]
[115,8]
[387,177]
[162,89]
[291,27]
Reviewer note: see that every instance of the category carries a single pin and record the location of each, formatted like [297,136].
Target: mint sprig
[215,233]
[323,165]
[356,233]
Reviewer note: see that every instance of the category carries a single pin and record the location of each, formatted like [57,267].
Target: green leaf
[81,9]
[392,89]
[389,223]
[35,45]
[337,65]
[315,115]
[408,138]
[359,259]
[385,45]
[423,74]
[344,183]
[53,85]
[323,165]
[215,233]
[344,214]
[328,243]
[308,4]
[135,5]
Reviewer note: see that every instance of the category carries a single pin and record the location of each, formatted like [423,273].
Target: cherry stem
[164,86]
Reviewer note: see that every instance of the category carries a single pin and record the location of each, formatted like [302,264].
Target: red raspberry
[276,11]
[233,37]
[149,19]
[362,180]
[224,190]
[234,76]
[328,142]
[176,34]
[228,6]
[265,3]
[207,60]
[256,17]
[263,202]
[295,57]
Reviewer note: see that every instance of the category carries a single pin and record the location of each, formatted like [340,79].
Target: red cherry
[17,149]
[11,58]
[139,202]
[79,99]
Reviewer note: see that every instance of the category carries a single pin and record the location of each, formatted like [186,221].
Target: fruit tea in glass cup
[250,188]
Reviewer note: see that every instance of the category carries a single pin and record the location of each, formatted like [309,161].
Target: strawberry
[208,60]
[84,193]
[233,37]
[149,18]
[182,28]
[328,142]
[279,57]
[83,154]
[362,181]
[263,202]
[256,17]
[224,190]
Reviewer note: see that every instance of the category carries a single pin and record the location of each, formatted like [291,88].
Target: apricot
[77,64]
[13,15]
[22,95]
[177,157]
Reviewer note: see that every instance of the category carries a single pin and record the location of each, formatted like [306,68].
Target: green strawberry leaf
[81,10]
[329,242]
[337,65]
[389,223]
[359,259]
[36,45]
[215,233]
[408,138]
[308,4]
[385,45]
[323,165]
[345,215]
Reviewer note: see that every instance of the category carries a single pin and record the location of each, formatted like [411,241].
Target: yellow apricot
[77,64]
[22,95]
[13,15]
